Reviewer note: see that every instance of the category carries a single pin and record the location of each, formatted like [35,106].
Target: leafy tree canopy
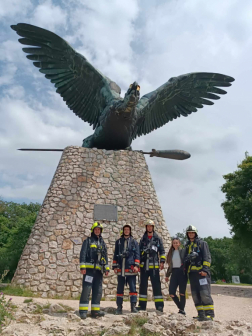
[16,222]
[238,204]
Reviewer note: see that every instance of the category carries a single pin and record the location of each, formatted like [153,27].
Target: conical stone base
[49,264]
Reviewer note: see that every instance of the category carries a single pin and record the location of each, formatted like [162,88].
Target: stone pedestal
[49,264]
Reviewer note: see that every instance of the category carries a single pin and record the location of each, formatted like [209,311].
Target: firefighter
[151,250]
[93,263]
[126,265]
[197,264]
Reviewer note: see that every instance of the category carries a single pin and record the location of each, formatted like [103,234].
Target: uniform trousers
[95,286]
[156,287]
[201,294]
[121,281]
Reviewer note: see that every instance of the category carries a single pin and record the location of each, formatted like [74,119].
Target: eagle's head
[132,95]
[134,89]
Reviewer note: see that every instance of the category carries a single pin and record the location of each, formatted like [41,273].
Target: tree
[16,222]
[238,204]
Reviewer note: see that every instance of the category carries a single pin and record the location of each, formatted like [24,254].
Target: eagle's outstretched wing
[179,96]
[84,89]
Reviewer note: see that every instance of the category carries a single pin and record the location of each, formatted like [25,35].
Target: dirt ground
[227,308]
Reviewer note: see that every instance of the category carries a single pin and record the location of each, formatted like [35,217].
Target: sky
[145,41]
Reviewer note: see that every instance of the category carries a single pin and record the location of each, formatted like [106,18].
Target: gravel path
[226,307]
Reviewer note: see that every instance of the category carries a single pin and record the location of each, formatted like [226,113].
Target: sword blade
[40,150]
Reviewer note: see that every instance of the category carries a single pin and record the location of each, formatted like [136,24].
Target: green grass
[65,308]
[219,282]
[38,310]
[28,300]
[136,324]
[18,291]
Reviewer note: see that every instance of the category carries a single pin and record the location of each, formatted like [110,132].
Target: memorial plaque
[236,279]
[105,212]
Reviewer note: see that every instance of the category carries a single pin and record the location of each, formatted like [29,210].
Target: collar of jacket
[95,237]
[145,236]
[196,241]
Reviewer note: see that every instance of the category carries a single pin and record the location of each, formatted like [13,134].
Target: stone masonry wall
[49,264]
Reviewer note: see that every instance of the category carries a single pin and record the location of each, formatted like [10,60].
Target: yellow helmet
[96,225]
[191,228]
[150,222]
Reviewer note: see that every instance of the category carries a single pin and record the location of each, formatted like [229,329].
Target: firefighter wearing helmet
[152,260]
[197,264]
[93,263]
[126,265]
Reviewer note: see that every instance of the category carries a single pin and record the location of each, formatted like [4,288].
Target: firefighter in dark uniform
[197,263]
[93,263]
[126,265]
[151,250]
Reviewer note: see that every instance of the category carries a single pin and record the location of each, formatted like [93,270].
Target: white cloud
[7,74]
[48,16]
[11,8]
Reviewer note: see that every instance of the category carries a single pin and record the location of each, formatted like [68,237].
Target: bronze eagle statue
[96,99]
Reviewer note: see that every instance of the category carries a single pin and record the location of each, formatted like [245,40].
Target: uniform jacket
[132,255]
[203,261]
[89,255]
[170,266]
[156,250]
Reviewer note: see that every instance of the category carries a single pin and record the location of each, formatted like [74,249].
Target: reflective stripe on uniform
[199,307]
[158,298]
[133,294]
[196,268]
[142,297]
[206,263]
[162,256]
[93,245]
[89,265]
[150,266]
[95,307]
[107,267]
[210,307]
[83,306]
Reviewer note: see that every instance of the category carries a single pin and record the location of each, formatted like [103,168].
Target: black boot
[133,307]
[83,315]
[97,313]
[140,308]
[118,310]
[160,309]
[208,318]
[200,317]
[182,312]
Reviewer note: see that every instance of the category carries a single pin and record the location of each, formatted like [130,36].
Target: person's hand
[115,270]
[83,271]
[203,273]
[135,269]
[106,273]
[161,267]
[166,279]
